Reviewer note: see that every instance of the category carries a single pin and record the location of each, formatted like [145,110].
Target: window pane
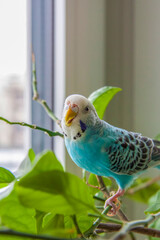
[13,67]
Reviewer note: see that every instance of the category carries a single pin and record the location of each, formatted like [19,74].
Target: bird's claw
[115,206]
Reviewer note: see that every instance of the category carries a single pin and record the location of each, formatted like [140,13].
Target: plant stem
[132,236]
[112,227]
[74,218]
[120,214]
[50,133]
[91,230]
[36,95]
[9,232]
[130,225]
[99,198]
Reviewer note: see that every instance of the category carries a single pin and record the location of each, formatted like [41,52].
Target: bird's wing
[131,153]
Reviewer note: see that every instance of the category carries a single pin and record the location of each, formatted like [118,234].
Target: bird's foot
[114,202]
[115,206]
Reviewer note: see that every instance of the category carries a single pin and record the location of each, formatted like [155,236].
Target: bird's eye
[86,109]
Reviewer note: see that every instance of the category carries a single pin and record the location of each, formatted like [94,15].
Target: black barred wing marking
[131,153]
[156,151]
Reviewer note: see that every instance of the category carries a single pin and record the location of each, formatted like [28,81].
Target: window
[13,81]
[38,26]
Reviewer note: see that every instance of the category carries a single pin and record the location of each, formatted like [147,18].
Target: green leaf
[31,154]
[157,137]
[68,222]
[39,220]
[154,204]
[4,192]
[15,216]
[84,222]
[55,191]
[2,185]
[6,176]
[46,161]
[101,98]
[48,217]
[24,167]
[143,195]
[155,225]
[57,221]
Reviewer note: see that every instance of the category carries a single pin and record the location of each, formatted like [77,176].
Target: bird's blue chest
[88,153]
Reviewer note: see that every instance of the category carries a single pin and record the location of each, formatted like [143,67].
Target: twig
[9,232]
[120,214]
[112,227]
[91,230]
[130,225]
[74,218]
[99,198]
[36,95]
[144,185]
[132,236]
[103,187]
[50,133]
[92,186]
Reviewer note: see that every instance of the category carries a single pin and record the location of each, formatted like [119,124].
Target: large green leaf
[25,166]
[46,161]
[6,176]
[55,191]
[15,216]
[101,98]
[154,204]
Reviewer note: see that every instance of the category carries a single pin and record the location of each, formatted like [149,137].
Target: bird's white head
[78,115]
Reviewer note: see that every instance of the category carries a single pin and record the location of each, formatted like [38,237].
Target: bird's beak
[70,115]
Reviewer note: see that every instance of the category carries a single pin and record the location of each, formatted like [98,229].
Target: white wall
[85,50]
[147,67]
[117,43]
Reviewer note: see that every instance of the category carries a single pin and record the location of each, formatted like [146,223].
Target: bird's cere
[71,113]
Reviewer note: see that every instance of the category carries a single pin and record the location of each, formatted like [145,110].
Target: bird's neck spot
[78,135]
[83,126]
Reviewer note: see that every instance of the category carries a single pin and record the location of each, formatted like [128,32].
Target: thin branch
[74,218]
[103,187]
[91,230]
[9,232]
[99,198]
[130,225]
[50,133]
[144,185]
[112,227]
[120,214]
[104,217]
[132,236]
[36,95]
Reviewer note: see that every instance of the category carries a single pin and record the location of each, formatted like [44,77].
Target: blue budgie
[103,149]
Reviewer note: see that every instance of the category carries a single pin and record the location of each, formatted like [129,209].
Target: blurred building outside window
[14,139]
